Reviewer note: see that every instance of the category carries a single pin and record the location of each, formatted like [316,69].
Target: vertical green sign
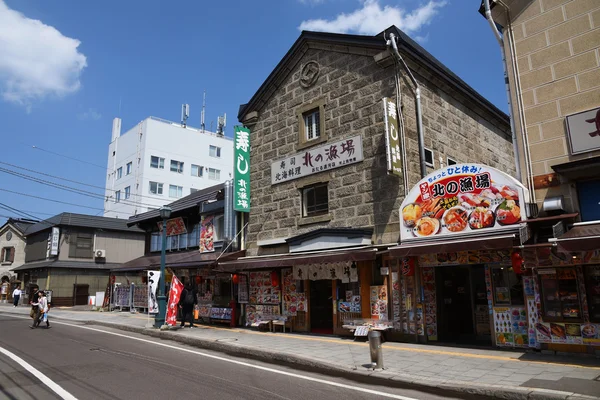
[241,167]
[392,142]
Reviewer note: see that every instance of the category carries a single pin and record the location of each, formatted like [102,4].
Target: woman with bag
[43,305]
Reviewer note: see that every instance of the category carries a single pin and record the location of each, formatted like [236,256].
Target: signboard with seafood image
[462,199]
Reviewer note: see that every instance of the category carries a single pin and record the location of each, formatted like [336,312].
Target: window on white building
[127,192]
[117,196]
[156,188]
[175,191]
[129,165]
[215,151]
[177,166]
[197,170]
[192,190]
[214,174]
[119,172]
[157,162]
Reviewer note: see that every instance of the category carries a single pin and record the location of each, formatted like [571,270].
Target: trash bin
[375,349]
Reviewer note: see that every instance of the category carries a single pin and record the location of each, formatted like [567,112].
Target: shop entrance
[462,295]
[321,307]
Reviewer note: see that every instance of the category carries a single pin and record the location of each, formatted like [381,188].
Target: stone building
[324,208]
[553,67]
[352,75]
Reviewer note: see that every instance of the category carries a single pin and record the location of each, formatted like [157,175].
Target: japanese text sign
[241,170]
[312,161]
[462,199]
[392,142]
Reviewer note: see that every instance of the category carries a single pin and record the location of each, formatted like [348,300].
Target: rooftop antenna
[221,123]
[185,113]
[203,111]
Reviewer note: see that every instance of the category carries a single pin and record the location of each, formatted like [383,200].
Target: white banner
[54,241]
[153,279]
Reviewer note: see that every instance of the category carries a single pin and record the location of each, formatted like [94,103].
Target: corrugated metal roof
[82,221]
[66,264]
[190,201]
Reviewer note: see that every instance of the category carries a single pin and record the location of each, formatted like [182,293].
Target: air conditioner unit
[100,253]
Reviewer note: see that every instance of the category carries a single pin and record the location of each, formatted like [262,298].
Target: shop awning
[289,259]
[188,259]
[582,237]
[495,242]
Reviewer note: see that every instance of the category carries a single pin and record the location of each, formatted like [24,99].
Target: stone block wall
[352,86]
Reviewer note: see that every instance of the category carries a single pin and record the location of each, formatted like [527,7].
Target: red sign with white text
[173,303]
[461,199]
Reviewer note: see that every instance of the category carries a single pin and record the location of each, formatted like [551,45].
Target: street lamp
[159,319]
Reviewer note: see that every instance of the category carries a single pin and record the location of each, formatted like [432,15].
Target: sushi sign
[462,199]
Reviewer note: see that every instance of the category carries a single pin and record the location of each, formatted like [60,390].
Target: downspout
[417,91]
[513,130]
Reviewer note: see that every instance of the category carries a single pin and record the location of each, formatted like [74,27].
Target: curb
[415,382]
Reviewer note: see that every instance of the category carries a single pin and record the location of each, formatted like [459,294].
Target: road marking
[245,364]
[43,378]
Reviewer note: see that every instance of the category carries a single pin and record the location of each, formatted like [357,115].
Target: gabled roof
[187,202]
[18,224]
[405,45]
[82,221]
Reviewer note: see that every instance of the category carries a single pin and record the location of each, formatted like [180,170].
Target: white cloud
[90,114]
[37,60]
[372,18]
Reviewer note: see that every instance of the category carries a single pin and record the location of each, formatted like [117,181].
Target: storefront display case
[592,277]
[560,295]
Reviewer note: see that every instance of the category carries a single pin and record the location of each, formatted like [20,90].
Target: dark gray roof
[20,224]
[187,202]
[82,221]
[66,264]
[405,44]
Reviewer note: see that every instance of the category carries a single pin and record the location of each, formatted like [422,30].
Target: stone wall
[352,86]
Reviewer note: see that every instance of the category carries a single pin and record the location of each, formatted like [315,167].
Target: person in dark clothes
[35,299]
[187,301]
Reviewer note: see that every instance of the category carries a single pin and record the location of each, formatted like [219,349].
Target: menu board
[511,326]
[570,333]
[220,313]
[294,300]
[204,310]
[256,313]
[379,301]
[261,289]
[462,199]
[243,289]
[430,302]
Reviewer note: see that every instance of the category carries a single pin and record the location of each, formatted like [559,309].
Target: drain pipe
[417,91]
[513,130]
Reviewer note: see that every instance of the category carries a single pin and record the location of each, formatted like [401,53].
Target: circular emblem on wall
[9,236]
[309,74]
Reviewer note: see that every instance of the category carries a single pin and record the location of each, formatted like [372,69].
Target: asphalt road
[100,363]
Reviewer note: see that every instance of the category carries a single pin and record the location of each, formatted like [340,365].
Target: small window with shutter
[8,255]
[81,245]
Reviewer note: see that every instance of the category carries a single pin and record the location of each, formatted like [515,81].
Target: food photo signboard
[462,199]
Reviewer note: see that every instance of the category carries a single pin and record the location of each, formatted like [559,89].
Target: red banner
[173,303]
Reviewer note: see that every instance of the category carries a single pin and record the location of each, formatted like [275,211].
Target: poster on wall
[294,300]
[175,226]
[462,199]
[379,301]
[207,233]
[502,327]
[243,289]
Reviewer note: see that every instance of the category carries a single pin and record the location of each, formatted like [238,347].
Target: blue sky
[67,65]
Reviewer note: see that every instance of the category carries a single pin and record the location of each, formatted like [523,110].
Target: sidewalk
[494,373]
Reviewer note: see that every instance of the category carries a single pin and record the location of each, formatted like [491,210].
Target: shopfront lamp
[165,212]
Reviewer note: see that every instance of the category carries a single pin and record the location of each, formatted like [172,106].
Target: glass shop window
[592,279]
[560,295]
[508,287]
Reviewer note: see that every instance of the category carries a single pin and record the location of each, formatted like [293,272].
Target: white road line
[307,378]
[45,380]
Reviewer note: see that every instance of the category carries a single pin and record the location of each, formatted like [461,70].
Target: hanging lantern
[198,279]
[235,279]
[274,279]
[517,262]
[407,266]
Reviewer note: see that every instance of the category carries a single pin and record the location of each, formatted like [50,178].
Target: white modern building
[158,161]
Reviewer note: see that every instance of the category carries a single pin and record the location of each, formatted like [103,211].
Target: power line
[70,158]
[52,200]
[9,208]
[68,188]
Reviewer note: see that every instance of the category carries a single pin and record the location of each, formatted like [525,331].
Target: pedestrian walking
[187,302]
[43,306]
[16,296]
[35,309]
